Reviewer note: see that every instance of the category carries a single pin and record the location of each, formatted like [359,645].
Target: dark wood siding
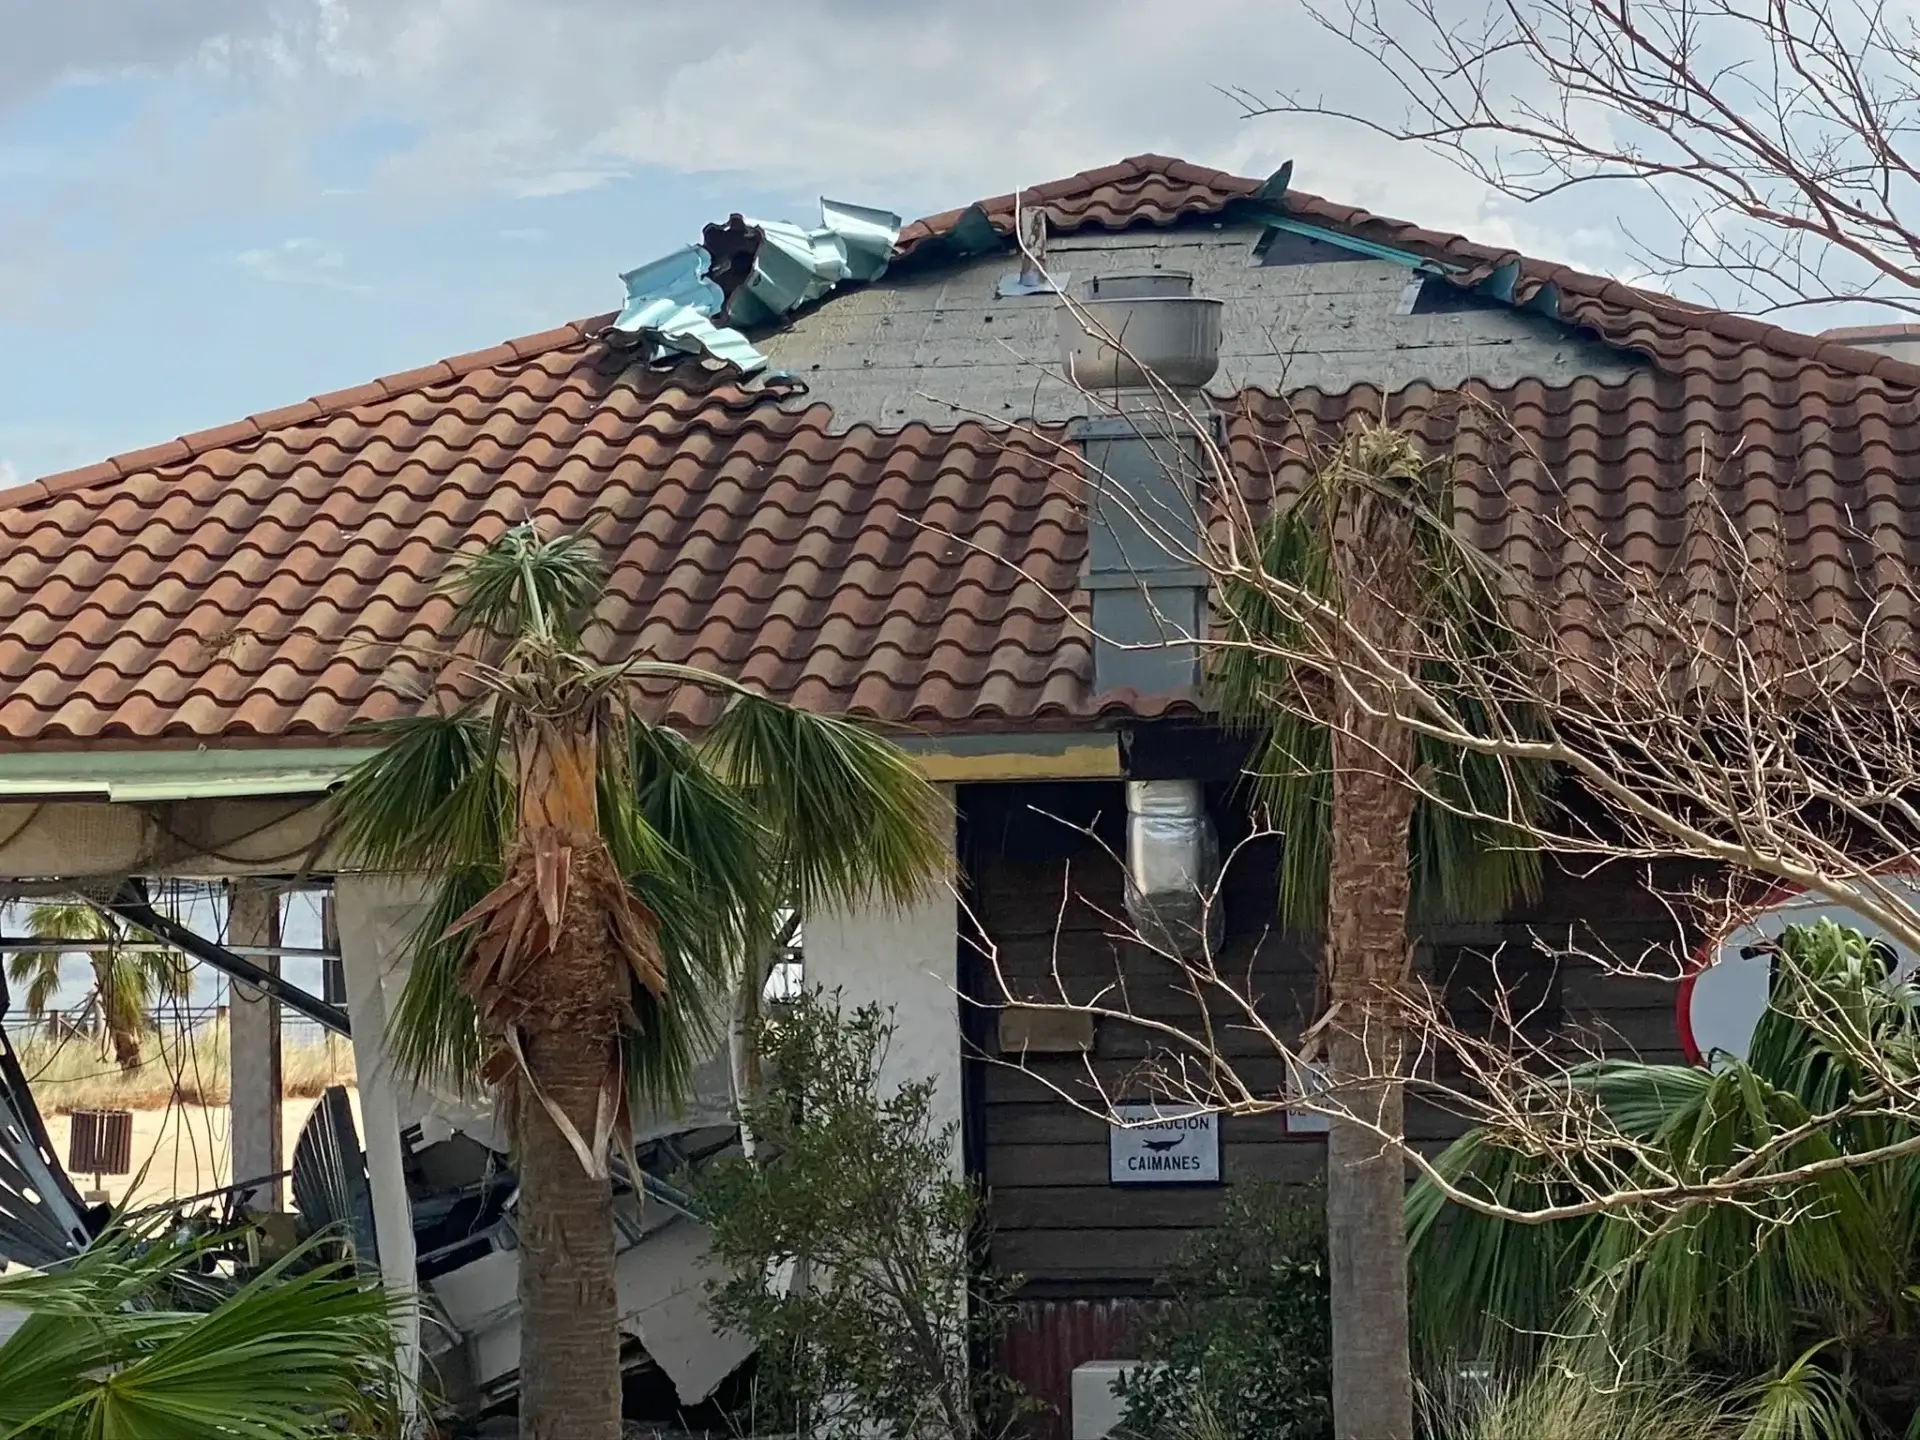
[1047,893]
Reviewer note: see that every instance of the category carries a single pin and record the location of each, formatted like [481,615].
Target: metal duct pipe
[1173,865]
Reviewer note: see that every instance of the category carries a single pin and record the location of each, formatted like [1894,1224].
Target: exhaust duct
[1173,866]
[1128,334]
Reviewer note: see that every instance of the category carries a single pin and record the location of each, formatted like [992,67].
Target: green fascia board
[150,776]
[1349,242]
[1500,285]
[132,776]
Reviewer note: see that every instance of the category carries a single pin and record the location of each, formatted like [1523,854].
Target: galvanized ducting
[1173,866]
[1145,473]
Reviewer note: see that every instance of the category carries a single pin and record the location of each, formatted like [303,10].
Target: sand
[181,1151]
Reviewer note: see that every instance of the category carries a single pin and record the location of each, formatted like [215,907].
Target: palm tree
[598,882]
[1808,1291]
[135,1340]
[1371,535]
[127,984]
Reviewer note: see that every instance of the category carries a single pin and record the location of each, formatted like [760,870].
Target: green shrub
[1243,1341]
[853,1209]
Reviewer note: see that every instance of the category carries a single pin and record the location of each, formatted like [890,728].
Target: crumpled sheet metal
[674,303]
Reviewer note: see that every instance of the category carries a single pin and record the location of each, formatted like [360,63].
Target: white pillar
[906,960]
[254,1102]
[375,915]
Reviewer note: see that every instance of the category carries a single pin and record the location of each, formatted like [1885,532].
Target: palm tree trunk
[742,1059]
[569,1315]
[1367,958]
[569,1001]
[113,1011]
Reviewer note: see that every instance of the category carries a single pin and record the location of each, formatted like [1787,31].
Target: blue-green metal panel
[1347,242]
[673,301]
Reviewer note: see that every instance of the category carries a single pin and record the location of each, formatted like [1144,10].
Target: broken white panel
[662,1288]
[708,1103]
[661,1284]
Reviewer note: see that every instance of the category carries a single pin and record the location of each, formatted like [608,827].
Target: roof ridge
[1833,353]
[1797,344]
[303,412]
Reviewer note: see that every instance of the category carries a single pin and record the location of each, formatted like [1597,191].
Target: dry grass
[176,1068]
[1554,1404]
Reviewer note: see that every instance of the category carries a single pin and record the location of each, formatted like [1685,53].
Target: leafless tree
[1718,703]
[1773,141]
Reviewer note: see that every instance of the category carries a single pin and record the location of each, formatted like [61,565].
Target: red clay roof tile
[274,578]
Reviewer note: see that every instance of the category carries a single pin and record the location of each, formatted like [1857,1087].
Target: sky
[203,910]
[215,207]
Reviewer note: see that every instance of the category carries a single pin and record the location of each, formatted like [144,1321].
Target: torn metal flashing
[751,273]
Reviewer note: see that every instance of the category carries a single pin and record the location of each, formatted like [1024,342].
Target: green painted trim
[149,776]
[130,776]
[1353,243]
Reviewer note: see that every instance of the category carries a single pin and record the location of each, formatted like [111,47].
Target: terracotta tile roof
[273,580]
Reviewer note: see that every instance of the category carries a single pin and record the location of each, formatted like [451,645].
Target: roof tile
[276,578]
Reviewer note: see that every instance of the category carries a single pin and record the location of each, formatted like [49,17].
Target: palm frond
[693,850]
[70,920]
[525,584]
[437,795]
[39,973]
[128,1341]
[852,816]
[1464,862]
[434,1031]
[1803,1402]
[1738,1287]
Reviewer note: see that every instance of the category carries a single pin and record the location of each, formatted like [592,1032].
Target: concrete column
[374,916]
[906,960]
[253,918]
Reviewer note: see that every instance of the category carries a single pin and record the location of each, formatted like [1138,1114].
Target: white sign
[1163,1145]
[1305,1080]
[1722,1000]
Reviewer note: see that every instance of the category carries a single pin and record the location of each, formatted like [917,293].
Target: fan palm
[127,984]
[132,1342]
[598,880]
[1372,536]
[1809,1286]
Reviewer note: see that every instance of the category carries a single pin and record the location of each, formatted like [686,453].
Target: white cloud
[907,106]
[301,261]
[9,473]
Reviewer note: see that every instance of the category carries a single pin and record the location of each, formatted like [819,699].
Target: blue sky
[213,207]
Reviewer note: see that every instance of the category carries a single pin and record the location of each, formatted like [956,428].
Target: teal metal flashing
[1274,187]
[1270,200]
[1350,242]
[973,234]
[1499,285]
[135,776]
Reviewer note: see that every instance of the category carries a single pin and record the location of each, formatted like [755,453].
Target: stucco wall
[939,346]
[905,959]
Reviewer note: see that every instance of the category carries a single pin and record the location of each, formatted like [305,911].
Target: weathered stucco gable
[937,345]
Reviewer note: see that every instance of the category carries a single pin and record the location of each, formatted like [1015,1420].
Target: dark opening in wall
[1442,297]
[1283,247]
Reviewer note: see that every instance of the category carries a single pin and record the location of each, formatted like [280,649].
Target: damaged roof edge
[233,773]
[673,303]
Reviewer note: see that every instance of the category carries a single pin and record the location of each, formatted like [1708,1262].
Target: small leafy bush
[845,1247]
[1244,1339]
